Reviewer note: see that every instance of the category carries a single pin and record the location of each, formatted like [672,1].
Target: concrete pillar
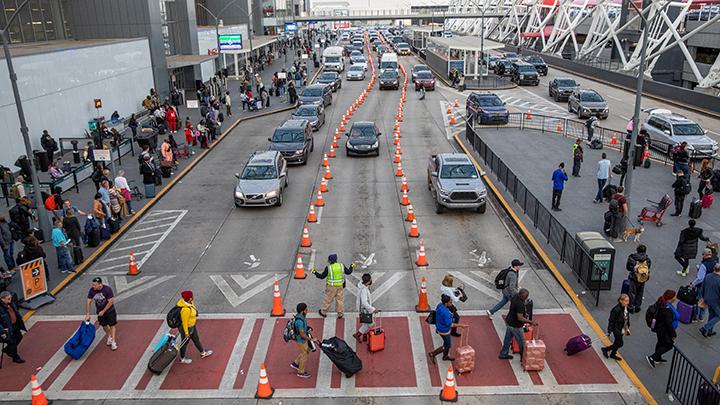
[58,20]
[186,32]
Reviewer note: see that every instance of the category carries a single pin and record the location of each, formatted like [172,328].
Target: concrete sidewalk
[533,156]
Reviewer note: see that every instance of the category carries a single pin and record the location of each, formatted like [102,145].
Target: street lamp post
[217,25]
[43,219]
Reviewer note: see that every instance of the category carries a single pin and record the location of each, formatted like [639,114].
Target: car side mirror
[666,131]
[283,174]
[380,133]
[237,175]
[269,139]
[347,134]
[434,174]
[504,104]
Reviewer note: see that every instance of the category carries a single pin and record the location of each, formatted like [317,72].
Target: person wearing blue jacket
[559,177]
[443,326]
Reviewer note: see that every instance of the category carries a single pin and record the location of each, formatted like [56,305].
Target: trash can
[75,152]
[41,157]
[599,252]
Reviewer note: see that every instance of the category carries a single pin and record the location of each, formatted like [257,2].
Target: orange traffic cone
[613,140]
[449,110]
[325,160]
[299,268]
[133,268]
[311,215]
[319,202]
[324,186]
[342,126]
[38,398]
[397,158]
[332,152]
[452,119]
[306,242]
[343,119]
[559,127]
[399,135]
[456,103]
[405,201]
[399,170]
[398,149]
[646,154]
[328,175]
[396,141]
[337,133]
[396,126]
[421,260]
[422,305]
[411,213]
[334,142]
[277,309]
[404,185]
[264,391]
[528,116]
[448,393]
[414,233]
[400,116]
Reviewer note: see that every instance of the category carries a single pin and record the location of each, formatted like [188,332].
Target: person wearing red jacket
[172,119]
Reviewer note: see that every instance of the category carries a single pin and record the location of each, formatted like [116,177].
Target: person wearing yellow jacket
[188,319]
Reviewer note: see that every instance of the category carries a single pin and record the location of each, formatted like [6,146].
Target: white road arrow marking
[367,261]
[254,262]
[480,259]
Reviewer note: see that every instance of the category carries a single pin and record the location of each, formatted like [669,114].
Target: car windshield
[526,69]
[259,173]
[356,68]
[490,102]
[591,97]
[461,171]
[355,54]
[363,131]
[328,76]
[306,112]
[389,74]
[566,83]
[535,59]
[510,55]
[403,45]
[312,92]
[687,130]
[332,59]
[420,68]
[424,75]
[288,135]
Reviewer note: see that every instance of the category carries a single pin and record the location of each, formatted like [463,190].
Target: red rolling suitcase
[376,337]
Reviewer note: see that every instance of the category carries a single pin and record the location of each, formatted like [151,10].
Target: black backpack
[173,317]
[500,278]
[290,333]
[651,316]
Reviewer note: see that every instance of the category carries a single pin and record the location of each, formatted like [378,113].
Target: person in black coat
[11,326]
[666,321]
[619,326]
[687,246]
[31,251]
[147,169]
[682,189]
[49,145]
[637,289]
[72,227]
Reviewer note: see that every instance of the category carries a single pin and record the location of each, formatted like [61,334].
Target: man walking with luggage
[559,177]
[681,186]
[638,265]
[687,246]
[365,307]
[301,339]
[602,176]
[443,326]
[515,320]
[335,286]
[103,297]
[711,297]
[509,283]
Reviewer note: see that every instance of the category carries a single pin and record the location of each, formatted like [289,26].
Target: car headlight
[271,194]
[239,195]
[298,152]
[605,109]
[349,145]
[444,193]
[395,82]
[522,77]
[376,144]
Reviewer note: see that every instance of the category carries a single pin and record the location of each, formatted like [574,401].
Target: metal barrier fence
[687,385]
[564,243]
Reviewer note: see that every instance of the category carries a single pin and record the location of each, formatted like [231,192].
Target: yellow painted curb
[558,276]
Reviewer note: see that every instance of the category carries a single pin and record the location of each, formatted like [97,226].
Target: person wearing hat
[511,286]
[103,297]
[188,319]
[335,286]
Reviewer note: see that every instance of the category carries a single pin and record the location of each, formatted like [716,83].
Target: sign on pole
[192,103]
[34,284]
[102,155]
[230,42]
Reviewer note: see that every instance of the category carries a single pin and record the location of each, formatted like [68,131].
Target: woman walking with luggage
[706,175]
[443,325]
[365,307]
[188,319]
[619,326]
[666,322]
[456,295]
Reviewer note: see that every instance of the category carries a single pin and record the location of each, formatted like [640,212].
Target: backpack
[614,206]
[500,278]
[14,193]
[687,187]
[651,315]
[173,317]
[290,333]
[50,203]
[642,271]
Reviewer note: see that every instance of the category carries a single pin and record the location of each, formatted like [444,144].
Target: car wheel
[556,98]
[238,205]
[579,113]
[570,107]
[481,209]
[377,152]
[439,207]
[305,159]
[429,184]
[312,145]
[287,180]
[280,200]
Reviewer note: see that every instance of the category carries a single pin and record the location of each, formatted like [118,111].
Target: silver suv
[666,129]
[454,182]
[586,103]
[262,181]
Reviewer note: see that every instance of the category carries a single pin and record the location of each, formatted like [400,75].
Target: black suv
[294,140]
[560,88]
[539,64]
[524,73]
[389,80]
[502,67]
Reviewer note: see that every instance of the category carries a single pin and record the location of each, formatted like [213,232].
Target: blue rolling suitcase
[78,344]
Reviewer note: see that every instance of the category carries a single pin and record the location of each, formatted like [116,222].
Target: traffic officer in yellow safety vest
[335,285]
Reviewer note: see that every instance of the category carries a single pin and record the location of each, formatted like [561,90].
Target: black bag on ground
[93,238]
[341,355]
[687,295]
[596,144]
[695,209]
[77,255]
[646,163]
[707,395]
[163,357]
[166,171]
[114,224]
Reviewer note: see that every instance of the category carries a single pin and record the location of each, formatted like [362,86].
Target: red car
[425,79]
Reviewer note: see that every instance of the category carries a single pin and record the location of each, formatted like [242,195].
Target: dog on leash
[636,232]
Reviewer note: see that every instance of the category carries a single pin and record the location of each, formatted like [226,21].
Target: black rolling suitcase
[93,238]
[695,209]
[165,355]
[342,356]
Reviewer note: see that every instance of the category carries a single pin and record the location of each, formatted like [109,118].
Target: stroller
[655,214]
[253,104]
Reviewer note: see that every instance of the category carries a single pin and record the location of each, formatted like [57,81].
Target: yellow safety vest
[336,276]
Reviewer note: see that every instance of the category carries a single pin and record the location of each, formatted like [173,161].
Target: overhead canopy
[178,61]
[466,43]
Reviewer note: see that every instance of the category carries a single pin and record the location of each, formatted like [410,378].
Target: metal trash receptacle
[600,252]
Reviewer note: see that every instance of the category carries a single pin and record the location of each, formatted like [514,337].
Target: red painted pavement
[393,366]
[581,368]
[216,334]
[336,376]
[281,353]
[489,370]
[41,342]
[427,331]
[248,355]
[134,338]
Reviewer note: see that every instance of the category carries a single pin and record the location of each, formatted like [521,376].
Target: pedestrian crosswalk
[522,103]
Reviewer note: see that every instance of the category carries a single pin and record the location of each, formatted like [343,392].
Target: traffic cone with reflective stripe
[277,309]
[319,202]
[456,103]
[38,398]
[449,110]
[528,116]
[311,215]
[334,142]
[399,170]
[396,126]
[452,119]
[328,175]
[404,185]
[396,141]
[342,126]
[398,149]
[613,140]
[405,200]
[422,305]
[324,186]
[410,214]
[448,393]
[306,242]
[264,391]
[325,160]
[332,152]
[414,233]
[299,268]
[133,268]
[421,260]
[397,158]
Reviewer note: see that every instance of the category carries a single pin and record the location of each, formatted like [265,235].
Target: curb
[556,274]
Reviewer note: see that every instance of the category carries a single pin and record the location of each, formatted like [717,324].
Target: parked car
[454,182]
[416,69]
[666,129]
[586,103]
[511,56]
[524,73]
[539,64]
[294,140]
[425,79]
[314,113]
[316,94]
[389,80]
[363,139]
[356,72]
[560,88]
[331,78]
[486,108]
[262,180]
[502,67]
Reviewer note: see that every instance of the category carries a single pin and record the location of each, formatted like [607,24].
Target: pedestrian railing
[568,248]
[687,385]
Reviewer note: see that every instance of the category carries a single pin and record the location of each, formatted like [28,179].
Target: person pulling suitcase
[103,297]
[188,320]
[365,307]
